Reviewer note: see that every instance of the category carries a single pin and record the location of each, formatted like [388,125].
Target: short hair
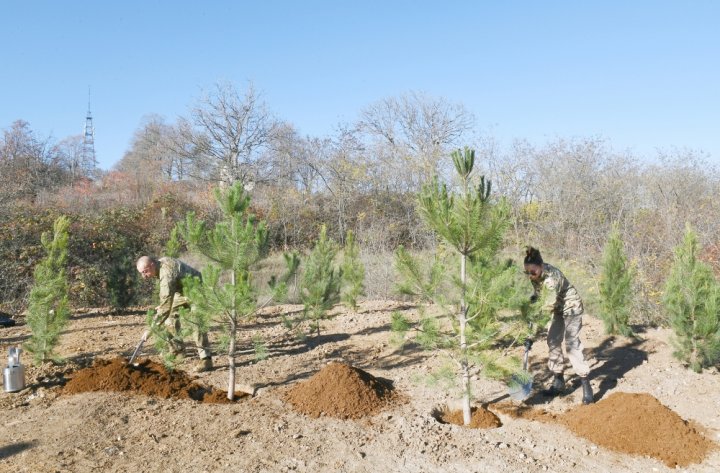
[143,262]
[532,256]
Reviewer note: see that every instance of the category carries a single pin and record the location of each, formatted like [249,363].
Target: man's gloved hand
[528,344]
[533,298]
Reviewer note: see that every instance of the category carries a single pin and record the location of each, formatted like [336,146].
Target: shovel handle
[137,350]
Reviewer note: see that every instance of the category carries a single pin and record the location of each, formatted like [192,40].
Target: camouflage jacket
[561,297]
[172,271]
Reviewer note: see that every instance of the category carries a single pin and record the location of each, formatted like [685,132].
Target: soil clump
[637,424]
[342,391]
[480,418]
[148,378]
[523,411]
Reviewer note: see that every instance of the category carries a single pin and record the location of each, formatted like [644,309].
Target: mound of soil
[641,425]
[480,418]
[342,391]
[629,423]
[148,378]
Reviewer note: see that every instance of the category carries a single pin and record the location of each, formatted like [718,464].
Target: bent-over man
[171,272]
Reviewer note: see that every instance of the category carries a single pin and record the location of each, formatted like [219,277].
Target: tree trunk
[231,361]
[231,345]
[694,341]
[464,369]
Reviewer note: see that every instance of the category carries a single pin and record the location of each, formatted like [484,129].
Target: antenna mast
[88,149]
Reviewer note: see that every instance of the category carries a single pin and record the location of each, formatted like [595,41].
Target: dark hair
[532,256]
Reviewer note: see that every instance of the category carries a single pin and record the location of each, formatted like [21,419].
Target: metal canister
[14,373]
[14,378]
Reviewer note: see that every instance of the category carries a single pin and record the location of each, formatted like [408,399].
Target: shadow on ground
[615,357]
[15,448]
[615,360]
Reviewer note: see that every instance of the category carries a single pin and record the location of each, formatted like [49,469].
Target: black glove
[533,298]
[528,344]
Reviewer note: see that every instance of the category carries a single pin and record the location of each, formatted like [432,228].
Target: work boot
[557,386]
[587,391]
[205,364]
[176,346]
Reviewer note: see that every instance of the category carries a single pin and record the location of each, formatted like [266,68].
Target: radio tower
[88,149]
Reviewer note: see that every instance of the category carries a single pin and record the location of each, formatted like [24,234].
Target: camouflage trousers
[175,338]
[566,327]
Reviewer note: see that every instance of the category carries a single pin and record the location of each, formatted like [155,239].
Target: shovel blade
[135,353]
[246,388]
[520,387]
[520,392]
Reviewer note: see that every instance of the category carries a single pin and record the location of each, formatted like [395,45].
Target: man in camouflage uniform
[171,271]
[561,299]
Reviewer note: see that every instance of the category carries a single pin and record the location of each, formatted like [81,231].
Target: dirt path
[48,431]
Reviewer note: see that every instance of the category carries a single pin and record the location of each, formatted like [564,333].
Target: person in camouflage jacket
[561,300]
[171,272]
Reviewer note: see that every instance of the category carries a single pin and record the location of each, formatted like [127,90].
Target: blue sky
[642,74]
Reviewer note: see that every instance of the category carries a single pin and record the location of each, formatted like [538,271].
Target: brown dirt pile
[340,390]
[637,424]
[148,378]
[641,425]
[480,418]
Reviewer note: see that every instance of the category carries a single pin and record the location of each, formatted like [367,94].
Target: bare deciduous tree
[411,133]
[28,165]
[70,154]
[227,134]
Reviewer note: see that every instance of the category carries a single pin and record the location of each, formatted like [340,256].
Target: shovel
[137,350]
[520,385]
[146,334]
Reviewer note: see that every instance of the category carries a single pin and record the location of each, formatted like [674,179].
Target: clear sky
[642,74]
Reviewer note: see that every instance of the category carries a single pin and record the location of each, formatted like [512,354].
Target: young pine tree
[173,245]
[616,286]
[469,325]
[692,301]
[353,273]
[233,246]
[279,286]
[48,311]
[320,282]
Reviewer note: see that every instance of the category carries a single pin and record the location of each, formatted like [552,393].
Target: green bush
[20,251]
[102,250]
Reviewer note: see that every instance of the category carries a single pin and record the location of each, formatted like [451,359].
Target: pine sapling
[417,280]
[320,282]
[692,302]
[616,286]
[353,273]
[468,323]
[48,310]
[226,293]
[173,245]
[280,286]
